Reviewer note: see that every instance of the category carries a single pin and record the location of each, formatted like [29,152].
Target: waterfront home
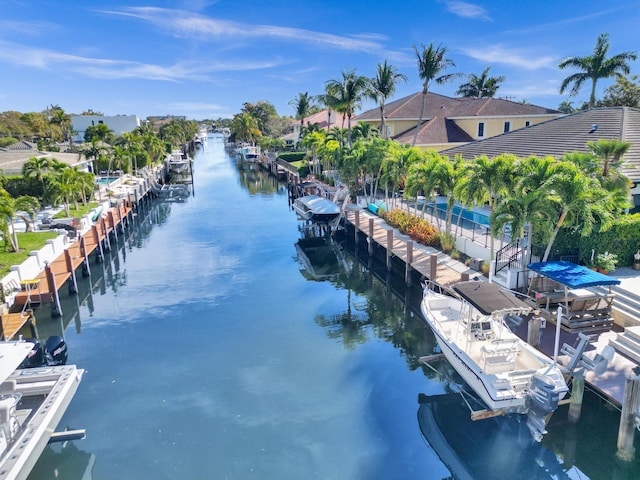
[324,119]
[118,124]
[448,122]
[14,156]
[569,133]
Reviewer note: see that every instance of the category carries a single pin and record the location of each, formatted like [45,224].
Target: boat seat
[500,355]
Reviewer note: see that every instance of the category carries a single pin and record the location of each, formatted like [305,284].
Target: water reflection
[256,180]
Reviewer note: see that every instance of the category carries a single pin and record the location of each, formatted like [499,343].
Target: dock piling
[626,450]
[389,248]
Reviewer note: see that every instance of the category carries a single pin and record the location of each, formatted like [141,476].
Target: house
[569,133]
[119,124]
[325,119]
[448,122]
[14,156]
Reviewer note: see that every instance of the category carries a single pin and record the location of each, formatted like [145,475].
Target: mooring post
[356,224]
[73,285]
[56,308]
[433,267]
[626,450]
[370,238]
[407,271]
[389,248]
[577,393]
[86,270]
[96,238]
[464,277]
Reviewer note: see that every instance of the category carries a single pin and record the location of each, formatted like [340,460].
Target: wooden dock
[427,261]
[45,287]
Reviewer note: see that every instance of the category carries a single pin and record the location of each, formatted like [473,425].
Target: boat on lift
[505,372]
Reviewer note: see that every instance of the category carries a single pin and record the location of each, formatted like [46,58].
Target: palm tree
[245,127]
[37,168]
[480,86]
[432,61]
[345,95]
[26,208]
[581,200]
[383,86]
[485,180]
[610,152]
[302,104]
[595,67]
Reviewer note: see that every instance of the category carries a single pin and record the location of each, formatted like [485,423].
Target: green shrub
[292,156]
[419,230]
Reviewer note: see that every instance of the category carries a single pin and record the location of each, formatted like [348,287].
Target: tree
[345,95]
[432,61]
[624,93]
[483,180]
[480,86]
[245,127]
[595,67]
[610,152]
[100,131]
[581,201]
[37,168]
[566,107]
[302,105]
[382,87]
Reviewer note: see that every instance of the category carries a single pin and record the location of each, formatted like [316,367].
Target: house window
[481,129]
[507,126]
[527,123]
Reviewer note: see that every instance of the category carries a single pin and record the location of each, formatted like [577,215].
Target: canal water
[221,340]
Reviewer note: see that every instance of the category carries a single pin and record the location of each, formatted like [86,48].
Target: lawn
[28,242]
[76,213]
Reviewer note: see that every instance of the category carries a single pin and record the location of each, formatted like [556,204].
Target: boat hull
[46,392]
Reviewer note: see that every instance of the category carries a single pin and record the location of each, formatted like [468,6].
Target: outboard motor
[36,355]
[56,351]
[546,389]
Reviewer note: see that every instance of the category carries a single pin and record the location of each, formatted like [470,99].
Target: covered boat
[316,208]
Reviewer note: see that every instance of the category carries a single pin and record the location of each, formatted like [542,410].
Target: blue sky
[204,59]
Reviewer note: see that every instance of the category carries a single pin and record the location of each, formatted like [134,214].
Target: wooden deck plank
[421,262]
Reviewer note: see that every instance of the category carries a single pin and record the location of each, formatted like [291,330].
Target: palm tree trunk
[563,215]
[383,131]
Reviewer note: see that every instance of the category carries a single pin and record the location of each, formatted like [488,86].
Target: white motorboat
[177,163]
[505,372]
[32,402]
[248,153]
[316,209]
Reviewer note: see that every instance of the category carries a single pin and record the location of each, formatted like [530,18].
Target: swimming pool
[106,180]
[468,215]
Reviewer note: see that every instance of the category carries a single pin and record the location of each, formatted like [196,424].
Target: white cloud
[467,10]
[498,54]
[120,69]
[187,24]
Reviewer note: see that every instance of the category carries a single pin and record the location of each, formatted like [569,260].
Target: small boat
[248,153]
[170,190]
[32,402]
[506,373]
[177,163]
[316,209]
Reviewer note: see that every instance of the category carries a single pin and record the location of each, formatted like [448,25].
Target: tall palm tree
[480,86]
[432,61]
[345,95]
[383,86]
[302,104]
[594,67]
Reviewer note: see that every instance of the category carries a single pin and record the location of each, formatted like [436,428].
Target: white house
[119,124]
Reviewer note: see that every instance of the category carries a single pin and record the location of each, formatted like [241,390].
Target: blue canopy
[572,275]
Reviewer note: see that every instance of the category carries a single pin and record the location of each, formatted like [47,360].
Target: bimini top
[572,275]
[489,297]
